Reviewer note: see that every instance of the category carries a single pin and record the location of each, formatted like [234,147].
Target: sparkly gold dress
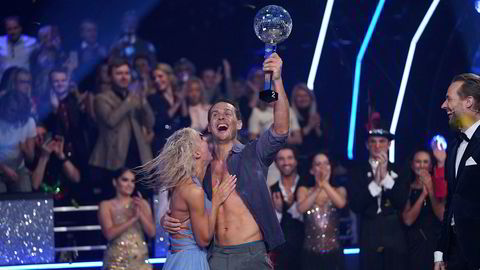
[321,247]
[129,250]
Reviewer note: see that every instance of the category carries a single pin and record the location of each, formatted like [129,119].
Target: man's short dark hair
[12,18]
[87,21]
[58,70]
[143,56]
[470,87]
[324,152]
[291,148]
[115,63]
[229,101]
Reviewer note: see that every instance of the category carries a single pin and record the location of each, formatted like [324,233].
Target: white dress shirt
[293,208]
[376,189]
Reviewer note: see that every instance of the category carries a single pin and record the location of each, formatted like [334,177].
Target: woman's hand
[426,179]
[322,178]
[222,190]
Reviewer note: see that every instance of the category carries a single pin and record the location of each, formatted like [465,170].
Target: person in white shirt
[459,245]
[260,121]
[17,142]
[15,47]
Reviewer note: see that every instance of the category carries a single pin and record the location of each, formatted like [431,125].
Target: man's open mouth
[222,127]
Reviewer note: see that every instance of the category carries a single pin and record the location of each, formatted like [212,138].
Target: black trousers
[456,260]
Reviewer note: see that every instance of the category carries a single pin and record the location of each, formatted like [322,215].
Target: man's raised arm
[281,117]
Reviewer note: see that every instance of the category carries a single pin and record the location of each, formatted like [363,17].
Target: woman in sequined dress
[425,207]
[124,220]
[319,204]
[180,168]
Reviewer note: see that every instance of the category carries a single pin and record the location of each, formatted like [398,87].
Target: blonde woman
[168,105]
[180,168]
[311,123]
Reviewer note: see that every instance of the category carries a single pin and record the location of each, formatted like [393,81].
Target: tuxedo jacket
[293,229]
[463,201]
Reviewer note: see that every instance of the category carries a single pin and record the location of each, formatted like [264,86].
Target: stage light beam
[320,42]
[356,82]
[406,73]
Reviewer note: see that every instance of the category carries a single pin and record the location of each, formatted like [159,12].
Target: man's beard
[123,91]
[460,122]
[453,122]
[288,173]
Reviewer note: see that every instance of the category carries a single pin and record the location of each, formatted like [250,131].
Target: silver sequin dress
[321,247]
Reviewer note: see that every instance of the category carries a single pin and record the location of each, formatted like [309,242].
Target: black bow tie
[462,137]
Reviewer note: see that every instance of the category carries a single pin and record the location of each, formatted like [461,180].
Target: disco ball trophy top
[272,25]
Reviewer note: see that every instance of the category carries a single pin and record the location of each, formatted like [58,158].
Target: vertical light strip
[406,73]
[320,41]
[356,82]
[349,251]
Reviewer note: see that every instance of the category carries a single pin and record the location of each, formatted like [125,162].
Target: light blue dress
[184,253]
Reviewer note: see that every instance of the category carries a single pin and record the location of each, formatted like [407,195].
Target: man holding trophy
[246,225]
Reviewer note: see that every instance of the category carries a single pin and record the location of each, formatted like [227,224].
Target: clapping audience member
[305,107]
[168,105]
[378,194]
[124,220]
[54,170]
[17,142]
[424,210]
[121,115]
[284,195]
[319,205]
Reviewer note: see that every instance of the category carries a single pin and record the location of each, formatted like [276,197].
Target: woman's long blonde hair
[167,69]
[174,165]
[313,106]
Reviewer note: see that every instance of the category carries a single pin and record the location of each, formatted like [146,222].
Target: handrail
[77,228]
[81,248]
[75,208]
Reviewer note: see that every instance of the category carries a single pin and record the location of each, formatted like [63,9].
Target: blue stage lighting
[439,142]
[356,82]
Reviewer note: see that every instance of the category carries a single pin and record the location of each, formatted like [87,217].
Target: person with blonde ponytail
[180,169]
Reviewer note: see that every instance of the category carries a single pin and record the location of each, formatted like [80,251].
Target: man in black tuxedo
[378,195]
[459,244]
[288,256]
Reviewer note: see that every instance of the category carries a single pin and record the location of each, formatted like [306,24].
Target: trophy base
[268,96]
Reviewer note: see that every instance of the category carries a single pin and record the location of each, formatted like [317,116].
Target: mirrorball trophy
[272,25]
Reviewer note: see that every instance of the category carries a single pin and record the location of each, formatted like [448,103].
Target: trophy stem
[268,81]
[269,49]
[268,94]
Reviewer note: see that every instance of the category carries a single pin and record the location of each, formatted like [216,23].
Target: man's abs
[235,224]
